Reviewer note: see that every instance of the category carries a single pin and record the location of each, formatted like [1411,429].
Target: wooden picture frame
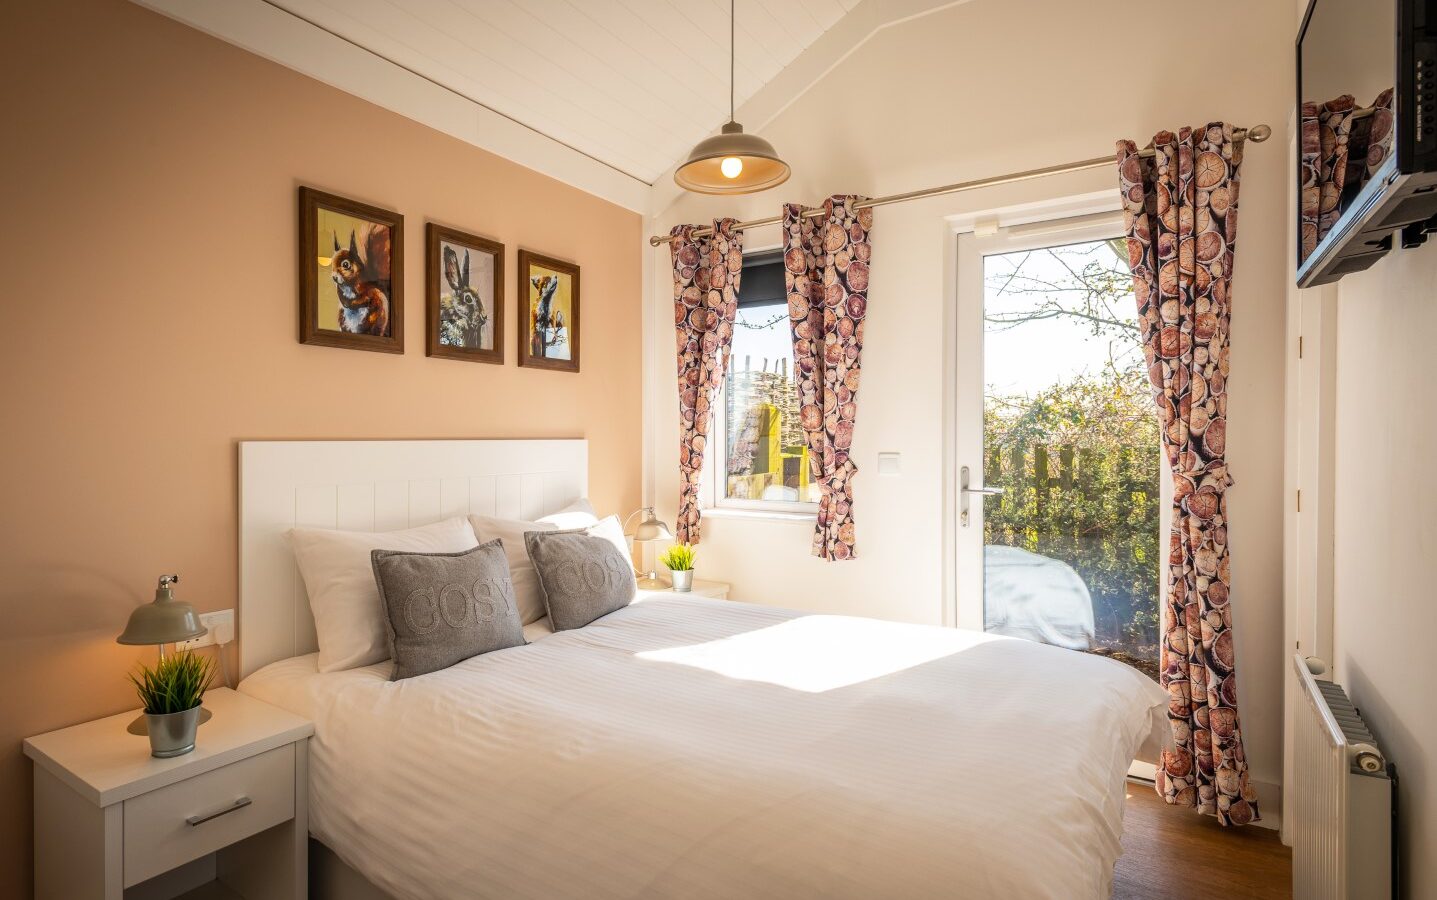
[324,319]
[447,334]
[563,328]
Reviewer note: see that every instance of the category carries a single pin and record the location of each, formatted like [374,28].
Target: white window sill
[772,515]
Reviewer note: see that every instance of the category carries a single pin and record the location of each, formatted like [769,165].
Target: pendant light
[731,162]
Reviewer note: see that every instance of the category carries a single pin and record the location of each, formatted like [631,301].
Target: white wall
[1386,529]
[1361,451]
[985,88]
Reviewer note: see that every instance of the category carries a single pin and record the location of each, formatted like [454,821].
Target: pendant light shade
[731,162]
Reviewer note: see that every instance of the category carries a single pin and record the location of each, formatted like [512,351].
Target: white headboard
[373,486]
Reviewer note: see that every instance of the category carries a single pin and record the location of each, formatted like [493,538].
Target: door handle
[965,491]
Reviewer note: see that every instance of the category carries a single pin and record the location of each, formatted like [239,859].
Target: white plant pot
[683,580]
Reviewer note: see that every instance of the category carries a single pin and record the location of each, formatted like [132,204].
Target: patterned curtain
[1181,217]
[706,281]
[826,262]
[1339,153]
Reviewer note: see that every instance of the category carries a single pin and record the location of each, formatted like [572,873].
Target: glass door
[1061,501]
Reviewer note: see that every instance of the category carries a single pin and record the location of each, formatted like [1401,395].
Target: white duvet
[708,749]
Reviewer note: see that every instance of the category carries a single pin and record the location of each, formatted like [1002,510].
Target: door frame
[963,601]
[1309,480]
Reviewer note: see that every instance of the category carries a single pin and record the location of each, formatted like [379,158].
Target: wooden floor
[1164,847]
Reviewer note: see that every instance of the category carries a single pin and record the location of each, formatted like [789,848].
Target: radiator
[1342,806]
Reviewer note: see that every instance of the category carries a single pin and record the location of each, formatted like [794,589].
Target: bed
[702,748]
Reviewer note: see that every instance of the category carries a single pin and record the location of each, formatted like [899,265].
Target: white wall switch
[888,464]
[221,625]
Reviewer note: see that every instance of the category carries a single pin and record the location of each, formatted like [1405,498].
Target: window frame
[714,480]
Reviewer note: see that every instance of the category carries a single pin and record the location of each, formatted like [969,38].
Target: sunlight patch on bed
[820,653]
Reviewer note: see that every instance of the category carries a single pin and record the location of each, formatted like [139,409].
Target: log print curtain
[826,266]
[707,272]
[1339,153]
[1181,219]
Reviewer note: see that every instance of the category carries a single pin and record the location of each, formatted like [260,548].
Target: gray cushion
[442,608]
[583,577]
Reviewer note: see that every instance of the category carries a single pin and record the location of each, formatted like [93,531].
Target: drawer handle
[241,803]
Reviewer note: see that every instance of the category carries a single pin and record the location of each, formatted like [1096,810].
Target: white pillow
[610,530]
[536,630]
[579,514]
[528,595]
[338,575]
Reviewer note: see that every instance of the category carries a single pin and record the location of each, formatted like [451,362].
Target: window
[765,462]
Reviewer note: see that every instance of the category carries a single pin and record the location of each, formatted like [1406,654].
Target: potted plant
[679,560]
[171,693]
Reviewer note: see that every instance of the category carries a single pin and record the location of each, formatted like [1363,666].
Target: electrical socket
[221,625]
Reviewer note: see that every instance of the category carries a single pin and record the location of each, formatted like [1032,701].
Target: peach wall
[149,178]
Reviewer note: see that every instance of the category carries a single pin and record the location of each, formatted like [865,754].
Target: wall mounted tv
[1367,152]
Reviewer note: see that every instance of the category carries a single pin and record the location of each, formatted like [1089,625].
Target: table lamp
[165,621]
[651,529]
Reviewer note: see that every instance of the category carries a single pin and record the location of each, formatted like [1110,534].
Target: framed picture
[548,313]
[463,296]
[351,274]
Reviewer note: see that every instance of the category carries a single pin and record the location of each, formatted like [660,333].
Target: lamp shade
[732,163]
[165,621]
[652,529]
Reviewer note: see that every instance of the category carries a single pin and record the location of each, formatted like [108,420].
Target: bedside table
[228,820]
[718,590]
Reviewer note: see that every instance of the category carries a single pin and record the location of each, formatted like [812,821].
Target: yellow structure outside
[773,464]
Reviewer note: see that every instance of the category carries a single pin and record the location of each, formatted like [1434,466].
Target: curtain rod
[1257,134]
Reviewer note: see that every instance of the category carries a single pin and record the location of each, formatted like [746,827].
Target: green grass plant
[177,682]
[678,558]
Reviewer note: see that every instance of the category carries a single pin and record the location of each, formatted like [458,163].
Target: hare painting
[462,312]
[464,296]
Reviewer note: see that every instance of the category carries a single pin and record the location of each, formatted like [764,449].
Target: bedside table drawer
[186,820]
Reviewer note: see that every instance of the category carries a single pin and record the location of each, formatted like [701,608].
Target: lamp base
[649,581]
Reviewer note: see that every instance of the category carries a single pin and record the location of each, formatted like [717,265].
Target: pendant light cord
[731,29]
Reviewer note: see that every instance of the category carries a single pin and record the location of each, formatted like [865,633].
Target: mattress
[709,749]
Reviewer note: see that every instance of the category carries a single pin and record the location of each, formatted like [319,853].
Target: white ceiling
[630,83]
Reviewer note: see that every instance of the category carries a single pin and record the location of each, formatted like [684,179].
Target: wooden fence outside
[1094,508]
[1089,471]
